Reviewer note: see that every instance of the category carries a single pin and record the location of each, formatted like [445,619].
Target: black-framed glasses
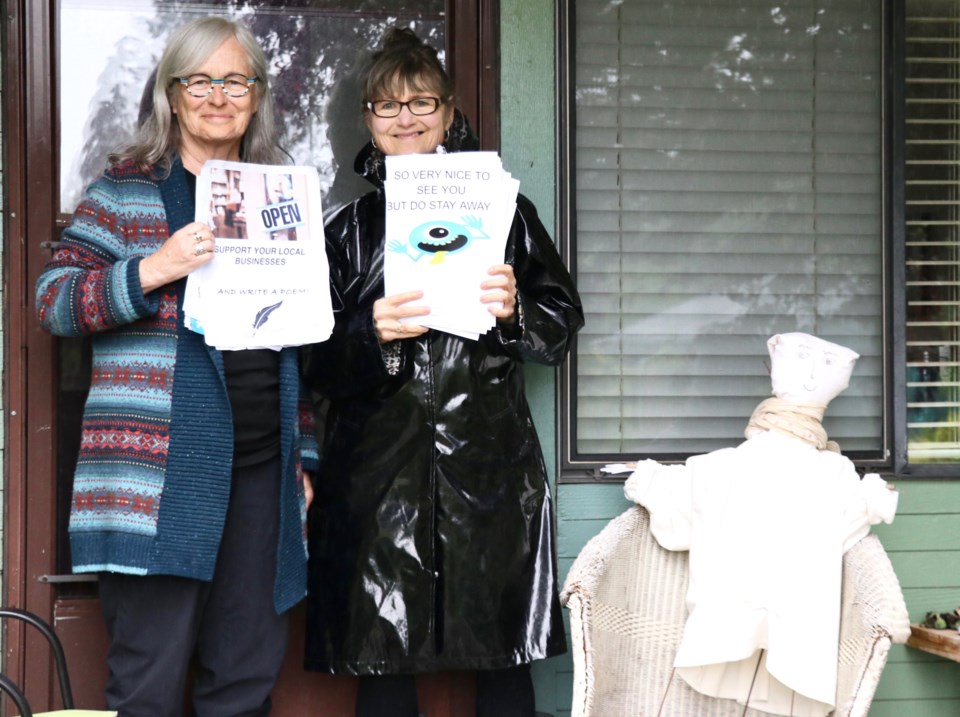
[418,106]
[202,86]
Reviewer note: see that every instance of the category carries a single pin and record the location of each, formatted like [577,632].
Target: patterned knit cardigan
[153,475]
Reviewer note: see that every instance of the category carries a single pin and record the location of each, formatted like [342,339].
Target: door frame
[30,222]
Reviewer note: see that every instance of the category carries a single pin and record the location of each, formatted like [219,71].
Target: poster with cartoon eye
[447,220]
[269,269]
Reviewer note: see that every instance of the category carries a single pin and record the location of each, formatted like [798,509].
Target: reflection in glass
[314,48]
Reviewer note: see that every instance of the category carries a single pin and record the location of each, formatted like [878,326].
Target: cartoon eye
[439,236]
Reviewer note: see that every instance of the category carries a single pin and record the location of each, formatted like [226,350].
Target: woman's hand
[501,291]
[307,487]
[188,248]
[388,311]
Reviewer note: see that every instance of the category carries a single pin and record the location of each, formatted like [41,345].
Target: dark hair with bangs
[405,62]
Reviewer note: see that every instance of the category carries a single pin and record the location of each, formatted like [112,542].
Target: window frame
[892,455]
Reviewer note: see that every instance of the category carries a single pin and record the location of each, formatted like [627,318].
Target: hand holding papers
[447,221]
[268,284]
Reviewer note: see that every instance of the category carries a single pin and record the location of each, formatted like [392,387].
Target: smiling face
[805,369]
[213,126]
[408,133]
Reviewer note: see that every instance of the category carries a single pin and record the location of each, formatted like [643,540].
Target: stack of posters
[268,284]
[448,217]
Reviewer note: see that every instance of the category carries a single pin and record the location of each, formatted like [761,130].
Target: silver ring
[197,237]
[400,327]
[199,250]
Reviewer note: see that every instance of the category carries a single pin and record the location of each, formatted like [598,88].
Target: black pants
[500,693]
[157,623]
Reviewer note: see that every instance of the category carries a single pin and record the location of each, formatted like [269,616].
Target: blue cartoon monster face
[440,235]
[439,238]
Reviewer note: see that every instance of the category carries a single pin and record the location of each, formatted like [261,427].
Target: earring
[373,141]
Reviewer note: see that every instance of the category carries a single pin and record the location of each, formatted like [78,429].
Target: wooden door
[46,378]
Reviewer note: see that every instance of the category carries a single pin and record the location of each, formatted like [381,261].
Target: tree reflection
[314,49]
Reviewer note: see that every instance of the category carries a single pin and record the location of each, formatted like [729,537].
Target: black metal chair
[9,687]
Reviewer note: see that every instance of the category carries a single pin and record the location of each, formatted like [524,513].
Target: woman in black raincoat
[431,534]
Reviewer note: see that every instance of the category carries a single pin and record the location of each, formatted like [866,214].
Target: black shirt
[253,387]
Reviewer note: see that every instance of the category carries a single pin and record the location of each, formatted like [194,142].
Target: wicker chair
[626,599]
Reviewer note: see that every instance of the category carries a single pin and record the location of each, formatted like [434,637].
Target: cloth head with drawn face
[809,370]
[806,373]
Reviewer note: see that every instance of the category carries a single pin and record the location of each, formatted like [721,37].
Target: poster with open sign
[268,283]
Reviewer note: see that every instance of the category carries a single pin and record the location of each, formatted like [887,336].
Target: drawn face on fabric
[805,369]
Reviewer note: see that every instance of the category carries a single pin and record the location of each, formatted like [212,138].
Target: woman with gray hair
[189,492]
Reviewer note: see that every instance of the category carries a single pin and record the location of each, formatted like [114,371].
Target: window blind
[932,257]
[728,187]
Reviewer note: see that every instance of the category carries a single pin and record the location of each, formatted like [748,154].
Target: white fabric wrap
[766,524]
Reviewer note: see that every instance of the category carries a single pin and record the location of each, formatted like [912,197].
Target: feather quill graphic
[264,314]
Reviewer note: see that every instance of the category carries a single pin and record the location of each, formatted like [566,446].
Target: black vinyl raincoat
[431,534]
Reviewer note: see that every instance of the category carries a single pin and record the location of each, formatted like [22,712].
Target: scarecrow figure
[766,524]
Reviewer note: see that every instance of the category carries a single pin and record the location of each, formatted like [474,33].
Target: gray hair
[159,134]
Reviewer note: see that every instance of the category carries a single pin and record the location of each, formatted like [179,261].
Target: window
[932,229]
[313,49]
[727,183]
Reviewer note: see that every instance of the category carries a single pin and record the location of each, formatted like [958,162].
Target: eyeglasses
[202,86]
[418,106]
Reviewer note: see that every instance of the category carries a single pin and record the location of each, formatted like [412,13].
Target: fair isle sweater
[153,475]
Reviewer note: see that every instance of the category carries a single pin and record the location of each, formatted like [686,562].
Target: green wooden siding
[924,547]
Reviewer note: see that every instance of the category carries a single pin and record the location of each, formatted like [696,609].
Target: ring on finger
[400,327]
[197,237]
[199,250]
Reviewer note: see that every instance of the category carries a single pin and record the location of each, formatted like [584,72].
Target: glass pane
[312,46]
[933,230]
[728,187]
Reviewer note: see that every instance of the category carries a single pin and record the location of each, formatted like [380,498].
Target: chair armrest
[873,617]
